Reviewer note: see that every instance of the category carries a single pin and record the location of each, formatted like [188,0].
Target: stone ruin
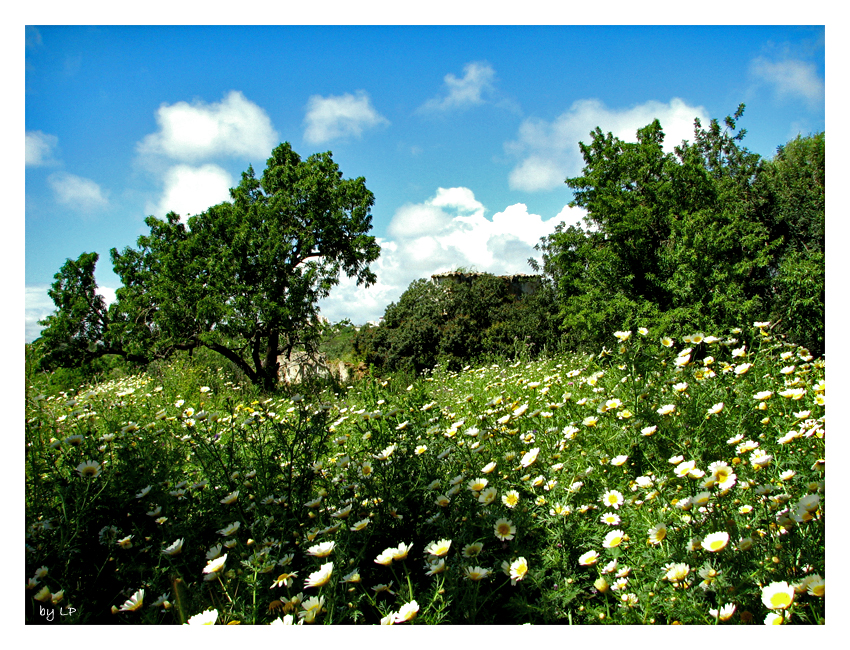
[302,366]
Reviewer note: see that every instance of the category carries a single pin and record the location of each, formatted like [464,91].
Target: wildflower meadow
[658,481]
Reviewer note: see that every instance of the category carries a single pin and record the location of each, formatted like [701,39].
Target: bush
[799,304]
[459,321]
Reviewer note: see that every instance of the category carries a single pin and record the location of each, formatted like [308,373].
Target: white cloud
[359,304]
[413,220]
[193,132]
[549,152]
[37,306]
[40,147]
[190,190]
[790,78]
[573,217]
[539,172]
[430,217]
[79,193]
[332,117]
[108,294]
[447,231]
[460,198]
[461,93]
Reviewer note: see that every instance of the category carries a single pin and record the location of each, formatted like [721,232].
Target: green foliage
[243,279]
[338,342]
[460,320]
[75,334]
[793,194]
[799,306]
[93,370]
[696,239]
[793,188]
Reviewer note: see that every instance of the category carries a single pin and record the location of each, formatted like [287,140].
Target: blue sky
[464,134]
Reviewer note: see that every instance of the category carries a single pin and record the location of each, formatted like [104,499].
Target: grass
[649,484]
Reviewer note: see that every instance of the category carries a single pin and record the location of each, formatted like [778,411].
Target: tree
[244,277]
[681,240]
[76,333]
[792,190]
[457,321]
[76,330]
[409,336]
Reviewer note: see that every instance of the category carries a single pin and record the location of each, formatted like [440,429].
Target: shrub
[456,322]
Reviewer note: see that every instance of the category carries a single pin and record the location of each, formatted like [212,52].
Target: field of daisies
[657,482]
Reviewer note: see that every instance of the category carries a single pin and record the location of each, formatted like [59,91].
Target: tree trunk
[271,366]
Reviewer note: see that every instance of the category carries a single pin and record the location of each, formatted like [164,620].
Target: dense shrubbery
[456,322]
[793,188]
[697,239]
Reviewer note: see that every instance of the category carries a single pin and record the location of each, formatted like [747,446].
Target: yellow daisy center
[780,600]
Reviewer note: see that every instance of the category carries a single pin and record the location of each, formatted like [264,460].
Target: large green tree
[686,239]
[242,278]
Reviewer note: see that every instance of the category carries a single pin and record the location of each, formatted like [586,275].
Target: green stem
[254,603]
[409,585]
[368,596]
[218,575]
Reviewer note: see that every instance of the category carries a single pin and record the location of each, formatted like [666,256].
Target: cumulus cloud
[37,306]
[435,215]
[40,148]
[467,91]
[79,193]
[790,78]
[190,190]
[108,294]
[359,304]
[234,126]
[195,134]
[339,116]
[548,152]
[447,231]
